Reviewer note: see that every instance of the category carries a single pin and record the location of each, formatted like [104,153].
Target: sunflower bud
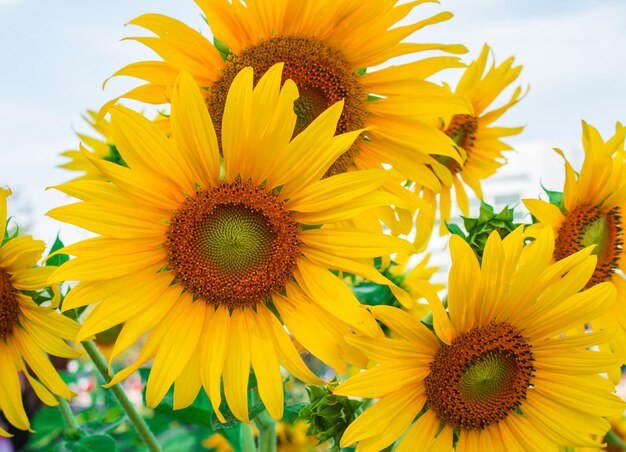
[478,229]
[328,415]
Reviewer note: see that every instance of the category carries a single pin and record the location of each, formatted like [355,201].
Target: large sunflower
[479,142]
[27,331]
[590,213]
[328,48]
[202,257]
[499,374]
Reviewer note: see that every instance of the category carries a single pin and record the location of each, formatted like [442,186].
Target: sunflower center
[587,225]
[462,129]
[9,306]
[233,245]
[322,74]
[481,377]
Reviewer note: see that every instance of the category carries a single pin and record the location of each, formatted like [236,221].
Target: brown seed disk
[574,235]
[9,306]
[481,377]
[462,129]
[322,74]
[233,245]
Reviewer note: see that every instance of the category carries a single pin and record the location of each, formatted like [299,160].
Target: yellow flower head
[478,141]
[591,214]
[27,331]
[327,47]
[499,374]
[192,250]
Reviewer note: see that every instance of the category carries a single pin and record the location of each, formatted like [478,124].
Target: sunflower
[328,48]
[590,213]
[478,141]
[499,374]
[27,331]
[203,255]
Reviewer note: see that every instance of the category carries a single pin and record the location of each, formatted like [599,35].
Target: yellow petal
[215,346]
[175,351]
[40,365]
[384,421]
[545,212]
[20,253]
[237,367]
[421,435]
[265,364]
[188,383]
[4,194]
[286,351]
[334,296]
[10,392]
[193,129]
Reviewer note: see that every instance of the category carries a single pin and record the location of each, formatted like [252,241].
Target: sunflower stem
[613,439]
[246,437]
[130,410]
[72,430]
[267,432]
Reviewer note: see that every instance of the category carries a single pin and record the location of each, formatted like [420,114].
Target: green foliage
[479,229]
[57,259]
[328,415]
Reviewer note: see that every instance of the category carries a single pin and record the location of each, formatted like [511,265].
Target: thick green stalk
[130,410]
[72,430]
[267,432]
[246,437]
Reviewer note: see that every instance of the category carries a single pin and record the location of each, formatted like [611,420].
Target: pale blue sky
[55,56]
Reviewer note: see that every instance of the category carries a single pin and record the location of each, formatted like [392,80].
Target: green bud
[328,415]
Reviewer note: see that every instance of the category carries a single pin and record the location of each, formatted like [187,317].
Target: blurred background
[55,56]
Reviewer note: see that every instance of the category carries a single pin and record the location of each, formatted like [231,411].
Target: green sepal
[479,228]
[59,259]
[115,156]
[222,49]
[556,198]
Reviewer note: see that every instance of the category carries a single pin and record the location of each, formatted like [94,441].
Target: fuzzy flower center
[481,377]
[233,245]
[322,74]
[9,306]
[588,225]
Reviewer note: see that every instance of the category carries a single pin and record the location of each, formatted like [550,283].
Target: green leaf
[48,426]
[59,258]
[93,443]
[177,439]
